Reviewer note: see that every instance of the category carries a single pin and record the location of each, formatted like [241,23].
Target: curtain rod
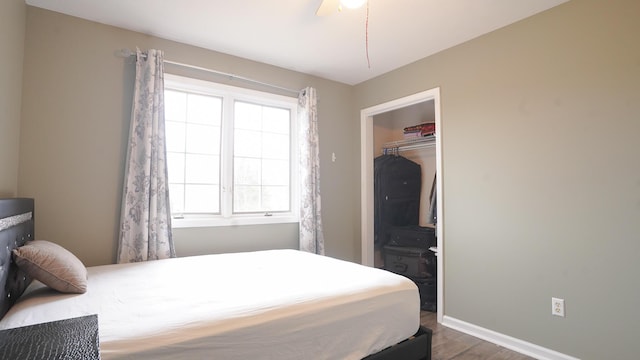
[125,53]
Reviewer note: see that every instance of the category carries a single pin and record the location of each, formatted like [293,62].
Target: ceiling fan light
[352,4]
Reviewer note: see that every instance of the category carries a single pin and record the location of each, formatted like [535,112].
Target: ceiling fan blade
[327,7]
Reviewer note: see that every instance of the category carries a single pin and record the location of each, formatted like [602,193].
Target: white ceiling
[288,34]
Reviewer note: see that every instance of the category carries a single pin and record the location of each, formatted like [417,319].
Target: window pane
[275,146]
[276,120]
[175,106]
[275,198]
[202,169]
[204,109]
[175,136]
[247,116]
[247,143]
[246,171]
[175,165]
[275,172]
[176,198]
[202,199]
[246,198]
[203,139]
[261,157]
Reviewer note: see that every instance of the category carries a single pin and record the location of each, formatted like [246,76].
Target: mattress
[277,304]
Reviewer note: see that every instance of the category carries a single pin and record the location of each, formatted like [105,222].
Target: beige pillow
[52,265]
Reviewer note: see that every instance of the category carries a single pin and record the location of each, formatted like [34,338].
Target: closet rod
[125,53]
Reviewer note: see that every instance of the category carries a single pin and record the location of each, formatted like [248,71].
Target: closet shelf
[409,144]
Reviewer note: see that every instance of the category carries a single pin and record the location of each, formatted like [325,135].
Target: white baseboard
[505,341]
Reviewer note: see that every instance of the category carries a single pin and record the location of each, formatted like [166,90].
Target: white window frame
[229,94]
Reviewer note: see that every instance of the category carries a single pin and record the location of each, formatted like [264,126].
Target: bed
[277,304]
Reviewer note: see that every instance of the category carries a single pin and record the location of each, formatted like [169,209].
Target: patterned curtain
[145,220]
[311,237]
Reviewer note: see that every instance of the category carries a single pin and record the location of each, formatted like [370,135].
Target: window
[230,154]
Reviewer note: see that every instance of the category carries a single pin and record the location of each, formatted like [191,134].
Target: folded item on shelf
[422,129]
[412,135]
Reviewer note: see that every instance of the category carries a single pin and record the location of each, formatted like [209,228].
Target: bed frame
[17,227]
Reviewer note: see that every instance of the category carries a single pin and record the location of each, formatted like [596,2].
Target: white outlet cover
[557,307]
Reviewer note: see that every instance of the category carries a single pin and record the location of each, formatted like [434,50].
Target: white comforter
[279,304]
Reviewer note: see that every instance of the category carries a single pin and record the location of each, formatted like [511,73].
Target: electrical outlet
[557,307]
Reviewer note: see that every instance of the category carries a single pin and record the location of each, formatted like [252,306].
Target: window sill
[178,223]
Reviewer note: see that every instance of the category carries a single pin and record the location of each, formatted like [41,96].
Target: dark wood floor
[451,344]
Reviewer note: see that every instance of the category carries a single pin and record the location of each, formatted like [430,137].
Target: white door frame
[366,177]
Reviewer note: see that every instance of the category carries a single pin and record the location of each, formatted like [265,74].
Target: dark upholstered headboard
[16,228]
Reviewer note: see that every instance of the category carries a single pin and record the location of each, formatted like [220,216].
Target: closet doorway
[369,152]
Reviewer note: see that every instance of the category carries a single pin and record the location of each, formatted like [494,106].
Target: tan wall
[540,124]
[12,29]
[77,103]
